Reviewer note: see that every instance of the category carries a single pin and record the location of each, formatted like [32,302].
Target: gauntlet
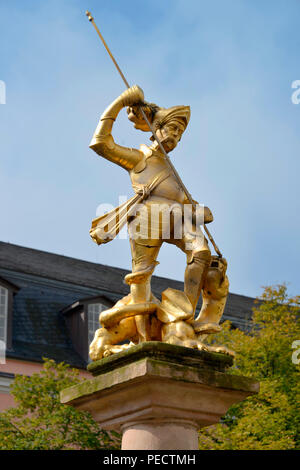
[132,96]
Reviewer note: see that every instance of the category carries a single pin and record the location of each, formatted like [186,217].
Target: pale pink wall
[6,401]
[15,366]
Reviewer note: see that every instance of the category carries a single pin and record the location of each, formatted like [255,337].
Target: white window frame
[5,383]
[4,317]
[93,312]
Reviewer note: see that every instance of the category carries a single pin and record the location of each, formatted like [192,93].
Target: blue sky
[233,62]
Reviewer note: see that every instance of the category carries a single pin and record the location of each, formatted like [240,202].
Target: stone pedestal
[158,395]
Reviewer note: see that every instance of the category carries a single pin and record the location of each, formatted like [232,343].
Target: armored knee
[201,257]
[143,263]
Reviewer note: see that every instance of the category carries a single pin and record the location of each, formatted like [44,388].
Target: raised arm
[103,143]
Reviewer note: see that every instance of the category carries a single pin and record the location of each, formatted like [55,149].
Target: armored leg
[144,254]
[195,273]
[195,246]
[215,292]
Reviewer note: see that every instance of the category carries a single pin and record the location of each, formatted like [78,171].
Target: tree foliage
[41,422]
[270,419]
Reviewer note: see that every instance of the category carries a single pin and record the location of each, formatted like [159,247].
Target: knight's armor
[156,192]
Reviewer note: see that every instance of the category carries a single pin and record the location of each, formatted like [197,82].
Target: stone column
[158,395]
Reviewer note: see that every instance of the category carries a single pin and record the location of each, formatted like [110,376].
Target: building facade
[50,305]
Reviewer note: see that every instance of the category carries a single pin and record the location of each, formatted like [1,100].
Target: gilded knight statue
[157,213]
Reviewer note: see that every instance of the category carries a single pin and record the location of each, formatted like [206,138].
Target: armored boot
[214,295]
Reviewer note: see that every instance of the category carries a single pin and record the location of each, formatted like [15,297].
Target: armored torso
[153,163]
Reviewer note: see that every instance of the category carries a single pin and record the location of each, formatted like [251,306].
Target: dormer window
[82,320]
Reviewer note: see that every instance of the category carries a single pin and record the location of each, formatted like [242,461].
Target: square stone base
[155,388]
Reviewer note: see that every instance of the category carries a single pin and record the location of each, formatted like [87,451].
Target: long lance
[151,128]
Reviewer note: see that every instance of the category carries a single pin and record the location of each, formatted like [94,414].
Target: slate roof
[48,283]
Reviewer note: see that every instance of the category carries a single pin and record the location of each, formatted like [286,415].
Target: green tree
[40,421]
[270,419]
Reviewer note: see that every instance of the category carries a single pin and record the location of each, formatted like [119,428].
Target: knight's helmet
[157,116]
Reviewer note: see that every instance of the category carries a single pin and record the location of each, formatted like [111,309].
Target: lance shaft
[151,128]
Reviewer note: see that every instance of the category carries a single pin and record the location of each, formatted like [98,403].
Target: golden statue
[161,211]
[155,215]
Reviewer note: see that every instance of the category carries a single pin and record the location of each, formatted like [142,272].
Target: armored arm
[103,143]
